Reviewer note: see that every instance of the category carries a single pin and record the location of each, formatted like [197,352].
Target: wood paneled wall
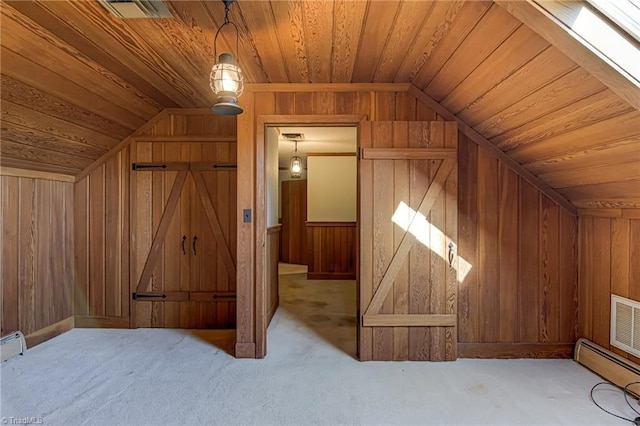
[273,278]
[102,201]
[102,244]
[37,256]
[609,264]
[520,296]
[294,217]
[331,250]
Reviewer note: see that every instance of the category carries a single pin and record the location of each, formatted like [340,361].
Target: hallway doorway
[332,250]
[311,203]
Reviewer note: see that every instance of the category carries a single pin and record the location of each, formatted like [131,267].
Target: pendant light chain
[227,21]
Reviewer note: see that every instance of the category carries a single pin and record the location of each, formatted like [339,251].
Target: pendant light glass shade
[226,79]
[295,165]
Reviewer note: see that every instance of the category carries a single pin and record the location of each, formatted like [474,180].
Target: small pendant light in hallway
[295,167]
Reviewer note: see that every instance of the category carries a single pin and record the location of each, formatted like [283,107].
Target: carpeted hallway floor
[324,310]
[156,377]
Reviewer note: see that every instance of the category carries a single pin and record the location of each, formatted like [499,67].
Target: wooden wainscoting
[273,279]
[36,278]
[331,250]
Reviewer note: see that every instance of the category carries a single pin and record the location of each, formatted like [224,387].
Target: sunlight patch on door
[430,236]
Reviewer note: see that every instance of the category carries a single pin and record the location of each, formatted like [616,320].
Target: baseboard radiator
[11,345]
[607,364]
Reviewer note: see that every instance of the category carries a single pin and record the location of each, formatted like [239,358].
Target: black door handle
[451,254]
[195,238]
[184,238]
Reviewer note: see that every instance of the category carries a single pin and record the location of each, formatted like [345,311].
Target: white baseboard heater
[607,364]
[11,345]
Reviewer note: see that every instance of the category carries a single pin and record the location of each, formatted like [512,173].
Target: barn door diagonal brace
[161,233]
[371,315]
[215,224]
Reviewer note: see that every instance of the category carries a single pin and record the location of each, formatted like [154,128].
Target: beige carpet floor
[178,377]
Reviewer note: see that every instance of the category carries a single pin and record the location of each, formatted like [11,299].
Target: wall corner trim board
[515,350]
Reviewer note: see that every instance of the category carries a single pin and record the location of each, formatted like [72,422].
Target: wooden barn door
[408,241]
[183,225]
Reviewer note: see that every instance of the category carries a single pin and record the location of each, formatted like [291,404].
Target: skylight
[624,13]
[612,27]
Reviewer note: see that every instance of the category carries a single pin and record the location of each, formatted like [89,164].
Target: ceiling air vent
[136,9]
[625,324]
[293,136]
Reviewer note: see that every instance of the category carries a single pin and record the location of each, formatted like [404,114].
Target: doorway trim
[262,122]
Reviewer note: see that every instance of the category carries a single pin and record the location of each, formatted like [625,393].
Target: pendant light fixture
[295,167]
[226,77]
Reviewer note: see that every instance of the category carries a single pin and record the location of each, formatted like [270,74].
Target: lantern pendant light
[295,167]
[226,77]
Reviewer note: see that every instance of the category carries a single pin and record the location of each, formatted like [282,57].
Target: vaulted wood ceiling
[76,80]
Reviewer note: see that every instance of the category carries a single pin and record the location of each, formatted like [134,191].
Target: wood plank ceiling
[76,80]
